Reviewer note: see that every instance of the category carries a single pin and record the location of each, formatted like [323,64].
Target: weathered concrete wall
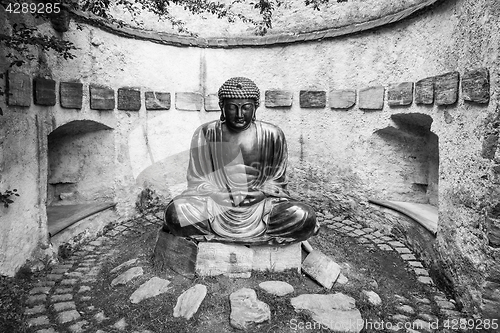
[150,146]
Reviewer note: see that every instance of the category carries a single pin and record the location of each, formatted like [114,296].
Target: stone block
[129,99]
[175,253]
[446,88]
[490,144]
[45,91]
[224,259]
[278,98]
[189,301]
[371,98]
[342,99]
[71,95]
[312,99]
[18,89]
[212,103]
[188,101]
[400,94]
[424,91]
[101,98]
[476,86]
[493,231]
[67,316]
[157,100]
[321,268]
[247,310]
[277,258]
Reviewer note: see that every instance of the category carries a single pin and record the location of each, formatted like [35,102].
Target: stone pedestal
[232,260]
[175,253]
[238,260]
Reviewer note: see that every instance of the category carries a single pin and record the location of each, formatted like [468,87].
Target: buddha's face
[239,113]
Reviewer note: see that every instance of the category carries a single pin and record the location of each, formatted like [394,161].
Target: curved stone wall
[302,25]
[150,145]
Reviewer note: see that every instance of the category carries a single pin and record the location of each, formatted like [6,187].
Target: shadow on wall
[407,159]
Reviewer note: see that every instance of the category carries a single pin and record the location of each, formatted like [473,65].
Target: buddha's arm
[200,175]
[275,182]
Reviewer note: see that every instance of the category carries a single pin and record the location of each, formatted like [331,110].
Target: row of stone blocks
[442,89]
[238,261]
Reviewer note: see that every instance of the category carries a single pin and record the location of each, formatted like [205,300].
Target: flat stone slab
[101,98]
[188,101]
[71,95]
[129,99]
[400,94]
[424,91]
[321,268]
[212,103]
[312,99]
[175,253]
[189,301]
[224,259]
[153,287]
[127,263]
[278,98]
[372,297]
[336,311]
[121,324]
[127,276]
[156,100]
[45,91]
[247,310]
[446,88]
[476,85]
[18,89]
[278,288]
[342,99]
[371,98]
[342,279]
[277,258]
[67,316]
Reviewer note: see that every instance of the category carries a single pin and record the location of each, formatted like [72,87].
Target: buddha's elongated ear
[222,116]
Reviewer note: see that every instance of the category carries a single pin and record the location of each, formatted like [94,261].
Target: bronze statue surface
[237,179]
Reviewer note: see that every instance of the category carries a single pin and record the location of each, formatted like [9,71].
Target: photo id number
[33,8]
[471,324]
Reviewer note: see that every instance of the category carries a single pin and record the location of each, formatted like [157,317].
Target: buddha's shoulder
[271,128]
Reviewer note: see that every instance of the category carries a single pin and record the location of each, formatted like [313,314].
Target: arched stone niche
[80,163]
[406,157]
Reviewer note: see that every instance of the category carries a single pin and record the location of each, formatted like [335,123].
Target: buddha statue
[237,179]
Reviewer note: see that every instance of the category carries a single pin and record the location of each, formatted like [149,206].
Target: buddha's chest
[240,148]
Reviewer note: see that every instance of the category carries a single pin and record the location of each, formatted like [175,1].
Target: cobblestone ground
[60,301]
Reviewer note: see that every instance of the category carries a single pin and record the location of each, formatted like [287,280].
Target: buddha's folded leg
[186,216]
[292,219]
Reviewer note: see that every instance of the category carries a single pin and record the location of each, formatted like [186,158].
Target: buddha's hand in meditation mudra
[237,179]
[237,198]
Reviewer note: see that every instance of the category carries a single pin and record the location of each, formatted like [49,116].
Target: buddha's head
[239,99]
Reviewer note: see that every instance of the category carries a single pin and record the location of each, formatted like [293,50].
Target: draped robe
[275,219]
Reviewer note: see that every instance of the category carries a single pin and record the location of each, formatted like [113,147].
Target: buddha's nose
[239,114]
